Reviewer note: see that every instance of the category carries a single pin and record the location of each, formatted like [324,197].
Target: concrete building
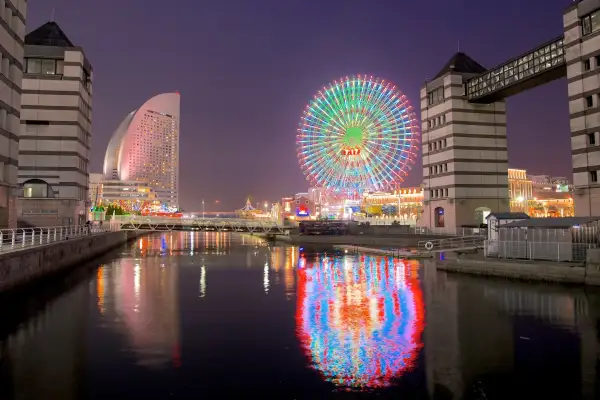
[464,123]
[12,28]
[582,58]
[520,189]
[145,148]
[56,129]
[465,161]
[95,189]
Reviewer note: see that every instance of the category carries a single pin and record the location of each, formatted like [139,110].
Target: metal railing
[15,239]
[386,221]
[451,244]
[549,251]
[458,231]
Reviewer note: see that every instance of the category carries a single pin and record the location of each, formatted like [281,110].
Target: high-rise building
[12,15]
[145,148]
[56,129]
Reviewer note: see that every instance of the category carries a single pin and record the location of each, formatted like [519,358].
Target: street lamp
[202,208]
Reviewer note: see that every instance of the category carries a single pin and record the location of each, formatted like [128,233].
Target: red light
[351,152]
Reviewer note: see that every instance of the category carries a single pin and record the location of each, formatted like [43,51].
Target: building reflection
[188,242]
[493,336]
[44,358]
[359,318]
[139,297]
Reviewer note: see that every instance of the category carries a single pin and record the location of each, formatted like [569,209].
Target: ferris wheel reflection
[360,318]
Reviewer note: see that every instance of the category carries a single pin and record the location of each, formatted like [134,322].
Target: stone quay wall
[23,266]
[558,272]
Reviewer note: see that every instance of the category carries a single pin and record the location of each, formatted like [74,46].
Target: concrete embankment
[395,241]
[24,266]
[587,273]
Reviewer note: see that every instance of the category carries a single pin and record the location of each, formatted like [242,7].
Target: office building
[12,15]
[56,129]
[145,148]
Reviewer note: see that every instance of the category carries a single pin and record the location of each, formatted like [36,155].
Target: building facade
[56,129]
[582,57]
[465,159]
[145,148]
[520,189]
[12,35]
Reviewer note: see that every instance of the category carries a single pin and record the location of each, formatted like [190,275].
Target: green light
[353,136]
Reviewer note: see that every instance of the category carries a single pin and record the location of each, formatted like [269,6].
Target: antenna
[52,15]
[458,45]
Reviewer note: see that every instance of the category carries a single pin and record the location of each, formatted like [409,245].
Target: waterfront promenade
[27,255]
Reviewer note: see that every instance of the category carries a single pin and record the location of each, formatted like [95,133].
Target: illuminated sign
[302,212]
[354,151]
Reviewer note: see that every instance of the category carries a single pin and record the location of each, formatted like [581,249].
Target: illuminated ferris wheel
[358,134]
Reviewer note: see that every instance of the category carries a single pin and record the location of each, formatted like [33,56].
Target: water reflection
[360,318]
[139,297]
[185,312]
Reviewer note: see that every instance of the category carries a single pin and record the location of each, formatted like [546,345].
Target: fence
[14,239]
[549,251]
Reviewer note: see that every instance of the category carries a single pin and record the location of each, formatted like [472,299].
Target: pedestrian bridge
[135,223]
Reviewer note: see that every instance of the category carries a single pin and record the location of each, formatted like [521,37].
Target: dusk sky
[247,68]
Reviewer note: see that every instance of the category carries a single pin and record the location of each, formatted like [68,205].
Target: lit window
[34,66]
[48,67]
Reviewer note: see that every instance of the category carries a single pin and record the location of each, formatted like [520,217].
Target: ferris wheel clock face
[358,134]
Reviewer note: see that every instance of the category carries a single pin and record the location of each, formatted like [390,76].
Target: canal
[220,315]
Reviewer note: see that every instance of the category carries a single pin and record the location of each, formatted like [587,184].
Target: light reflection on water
[360,318]
[192,310]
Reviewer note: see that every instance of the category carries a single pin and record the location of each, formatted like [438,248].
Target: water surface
[216,315]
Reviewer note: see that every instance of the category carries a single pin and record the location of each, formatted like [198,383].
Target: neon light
[357,134]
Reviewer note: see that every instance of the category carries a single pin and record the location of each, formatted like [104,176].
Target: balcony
[537,67]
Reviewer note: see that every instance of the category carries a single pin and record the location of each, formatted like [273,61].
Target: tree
[114,210]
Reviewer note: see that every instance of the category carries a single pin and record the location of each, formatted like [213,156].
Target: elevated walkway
[541,65]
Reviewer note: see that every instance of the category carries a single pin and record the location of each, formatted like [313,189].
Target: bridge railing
[462,242]
[15,239]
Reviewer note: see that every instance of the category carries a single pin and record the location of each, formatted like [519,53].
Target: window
[44,66]
[590,23]
[446,192]
[597,59]
[34,66]
[592,139]
[587,65]
[445,142]
[436,96]
[48,67]
[589,101]
[593,176]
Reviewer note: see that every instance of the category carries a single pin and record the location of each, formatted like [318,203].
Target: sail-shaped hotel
[145,148]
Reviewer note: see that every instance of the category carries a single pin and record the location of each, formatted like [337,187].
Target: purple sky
[247,68]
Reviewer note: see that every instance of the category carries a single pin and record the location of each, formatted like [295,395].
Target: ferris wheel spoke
[386,139]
